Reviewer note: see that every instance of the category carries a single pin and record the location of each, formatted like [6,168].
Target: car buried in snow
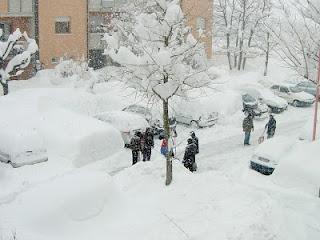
[126,122]
[146,113]
[293,95]
[276,104]
[254,106]
[194,114]
[266,156]
[308,87]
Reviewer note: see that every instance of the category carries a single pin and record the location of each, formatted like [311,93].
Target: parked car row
[293,95]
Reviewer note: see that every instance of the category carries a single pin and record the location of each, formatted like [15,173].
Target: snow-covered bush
[77,73]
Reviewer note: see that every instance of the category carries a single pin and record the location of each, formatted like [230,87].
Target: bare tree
[13,57]
[158,55]
[298,40]
[237,24]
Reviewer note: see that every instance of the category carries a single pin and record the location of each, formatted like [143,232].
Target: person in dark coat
[271,126]
[148,144]
[247,126]
[135,146]
[189,157]
[195,140]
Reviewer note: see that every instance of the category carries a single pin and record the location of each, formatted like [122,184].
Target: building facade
[62,30]
[199,15]
[17,14]
[74,28]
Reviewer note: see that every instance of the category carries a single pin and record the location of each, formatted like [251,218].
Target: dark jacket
[271,126]
[196,142]
[135,143]
[190,153]
[247,124]
[148,142]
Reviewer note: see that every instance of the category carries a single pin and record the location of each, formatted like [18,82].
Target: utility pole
[315,120]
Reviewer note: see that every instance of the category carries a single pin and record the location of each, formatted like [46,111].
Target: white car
[276,104]
[266,156]
[293,95]
[20,140]
[140,110]
[257,107]
[127,123]
[194,113]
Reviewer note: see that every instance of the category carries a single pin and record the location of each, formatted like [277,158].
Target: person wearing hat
[271,126]
[247,126]
[195,140]
[148,144]
[189,158]
[135,146]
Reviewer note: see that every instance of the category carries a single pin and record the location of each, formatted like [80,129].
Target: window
[201,23]
[20,6]
[54,60]
[6,29]
[62,25]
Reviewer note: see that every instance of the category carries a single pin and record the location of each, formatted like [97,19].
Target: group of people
[142,143]
[248,127]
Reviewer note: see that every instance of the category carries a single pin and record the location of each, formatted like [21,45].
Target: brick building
[72,28]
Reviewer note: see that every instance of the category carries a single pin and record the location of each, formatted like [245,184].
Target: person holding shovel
[271,127]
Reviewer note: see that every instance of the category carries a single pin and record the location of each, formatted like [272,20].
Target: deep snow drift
[81,195]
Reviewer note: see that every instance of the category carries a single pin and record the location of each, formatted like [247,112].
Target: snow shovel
[261,138]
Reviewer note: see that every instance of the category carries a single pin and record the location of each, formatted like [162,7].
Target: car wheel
[194,124]
[295,103]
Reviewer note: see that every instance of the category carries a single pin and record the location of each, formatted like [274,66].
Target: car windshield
[248,98]
[294,89]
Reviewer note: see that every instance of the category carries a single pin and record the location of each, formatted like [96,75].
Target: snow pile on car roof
[19,127]
[78,138]
[274,148]
[123,121]
[299,169]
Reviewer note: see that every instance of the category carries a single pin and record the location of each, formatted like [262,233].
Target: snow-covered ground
[107,198]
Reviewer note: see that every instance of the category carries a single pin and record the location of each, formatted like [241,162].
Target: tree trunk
[228,51]
[5,88]
[167,137]
[249,45]
[267,55]
[235,63]
[240,55]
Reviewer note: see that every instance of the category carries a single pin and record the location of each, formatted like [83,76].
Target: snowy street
[160,120]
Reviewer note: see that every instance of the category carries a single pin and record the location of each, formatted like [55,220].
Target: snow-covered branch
[13,59]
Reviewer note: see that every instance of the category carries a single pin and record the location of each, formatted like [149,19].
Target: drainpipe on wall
[36,25]
[88,21]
